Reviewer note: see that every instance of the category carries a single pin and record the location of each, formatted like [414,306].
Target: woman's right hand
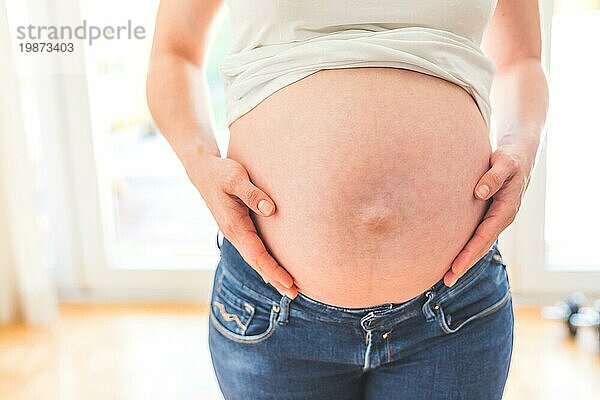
[179,101]
[226,188]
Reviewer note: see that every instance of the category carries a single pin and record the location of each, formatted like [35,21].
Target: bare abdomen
[372,171]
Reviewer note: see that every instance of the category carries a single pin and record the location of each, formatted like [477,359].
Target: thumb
[492,181]
[254,198]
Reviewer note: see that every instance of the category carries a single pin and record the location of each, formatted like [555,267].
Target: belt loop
[368,321]
[284,310]
[427,311]
[218,243]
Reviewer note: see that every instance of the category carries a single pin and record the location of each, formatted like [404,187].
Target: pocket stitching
[237,301]
[246,339]
[235,317]
[485,312]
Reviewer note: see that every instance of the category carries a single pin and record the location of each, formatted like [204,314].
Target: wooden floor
[160,352]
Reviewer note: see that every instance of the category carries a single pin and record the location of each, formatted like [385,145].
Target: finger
[451,278]
[254,252]
[494,178]
[289,292]
[252,196]
[499,215]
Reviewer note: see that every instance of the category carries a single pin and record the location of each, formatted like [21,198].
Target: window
[572,192]
[155,218]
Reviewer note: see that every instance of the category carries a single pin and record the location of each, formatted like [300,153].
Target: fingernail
[452,282]
[483,191]
[265,207]
[286,284]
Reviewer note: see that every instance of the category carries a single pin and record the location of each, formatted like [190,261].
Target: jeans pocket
[486,293]
[239,314]
[451,323]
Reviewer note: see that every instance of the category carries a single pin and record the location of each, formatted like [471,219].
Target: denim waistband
[369,317]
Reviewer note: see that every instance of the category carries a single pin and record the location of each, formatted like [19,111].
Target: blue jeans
[446,343]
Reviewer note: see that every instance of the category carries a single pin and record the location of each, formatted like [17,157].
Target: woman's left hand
[506,181]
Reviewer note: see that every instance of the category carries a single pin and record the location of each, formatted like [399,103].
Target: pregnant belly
[372,171]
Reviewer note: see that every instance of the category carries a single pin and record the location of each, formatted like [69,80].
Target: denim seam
[219,281]
[389,350]
[368,350]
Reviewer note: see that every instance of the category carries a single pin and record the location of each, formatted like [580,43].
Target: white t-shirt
[278,42]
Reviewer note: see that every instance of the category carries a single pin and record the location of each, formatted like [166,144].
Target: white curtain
[26,290]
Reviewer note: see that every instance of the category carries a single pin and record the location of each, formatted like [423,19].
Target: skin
[177,89]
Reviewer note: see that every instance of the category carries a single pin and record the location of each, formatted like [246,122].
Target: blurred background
[107,251]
